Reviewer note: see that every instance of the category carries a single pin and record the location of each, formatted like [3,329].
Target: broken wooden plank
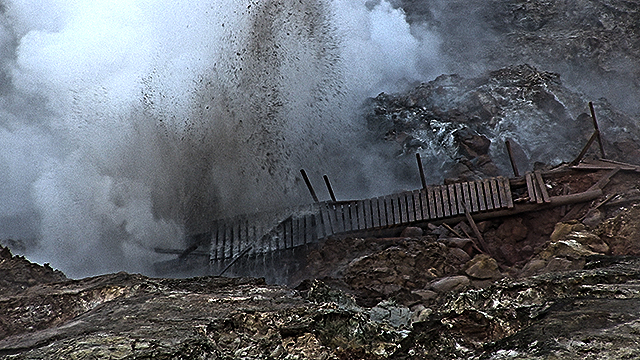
[543,186]
[475,229]
[593,138]
[530,191]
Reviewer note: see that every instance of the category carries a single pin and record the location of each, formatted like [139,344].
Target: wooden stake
[326,181]
[513,163]
[422,179]
[476,231]
[593,137]
[595,126]
[306,180]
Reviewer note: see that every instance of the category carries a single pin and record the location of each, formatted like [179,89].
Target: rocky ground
[541,289]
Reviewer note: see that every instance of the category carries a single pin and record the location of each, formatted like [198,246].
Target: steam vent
[320,179]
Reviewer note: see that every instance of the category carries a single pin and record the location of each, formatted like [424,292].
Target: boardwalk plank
[315,226]
[530,188]
[424,199]
[429,193]
[446,206]
[288,238]
[375,213]
[482,202]
[396,209]
[346,216]
[417,205]
[459,198]
[216,240]
[366,214]
[496,193]
[473,195]
[325,218]
[543,187]
[295,232]
[536,189]
[226,241]
[404,208]
[452,199]
[486,189]
[361,215]
[437,198]
[467,196]
[507,188]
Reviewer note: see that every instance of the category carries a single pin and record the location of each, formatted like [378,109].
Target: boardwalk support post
[306,181]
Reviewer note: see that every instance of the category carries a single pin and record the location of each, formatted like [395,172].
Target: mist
[125,125]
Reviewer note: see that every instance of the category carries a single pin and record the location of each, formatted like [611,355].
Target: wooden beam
[595,126]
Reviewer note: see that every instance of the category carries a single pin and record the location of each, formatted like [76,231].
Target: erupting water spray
[126,123]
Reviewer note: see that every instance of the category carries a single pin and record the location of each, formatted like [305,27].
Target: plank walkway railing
[263,233]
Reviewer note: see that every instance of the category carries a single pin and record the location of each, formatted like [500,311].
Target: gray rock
[412,231]
[450,283]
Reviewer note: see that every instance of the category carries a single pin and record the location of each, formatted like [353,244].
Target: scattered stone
[483,266]
[389,312]
[533,267]
[459,255]
[563,229]
[450,283]
[464,244]
[593,218]
[421,314]
[425,294]
[412,232]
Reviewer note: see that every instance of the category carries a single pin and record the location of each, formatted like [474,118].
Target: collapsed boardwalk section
[260,236]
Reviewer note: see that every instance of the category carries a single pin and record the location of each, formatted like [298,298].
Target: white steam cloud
[125,124]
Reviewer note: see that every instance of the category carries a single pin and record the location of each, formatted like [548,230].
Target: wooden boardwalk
[256,234]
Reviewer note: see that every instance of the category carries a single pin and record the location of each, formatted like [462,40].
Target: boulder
[512,229]
[483,267]
[412,232]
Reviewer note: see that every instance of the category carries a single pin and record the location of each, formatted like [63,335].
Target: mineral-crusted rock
[622,232]
[483,266]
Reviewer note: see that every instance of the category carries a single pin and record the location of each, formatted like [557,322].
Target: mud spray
[124,124]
